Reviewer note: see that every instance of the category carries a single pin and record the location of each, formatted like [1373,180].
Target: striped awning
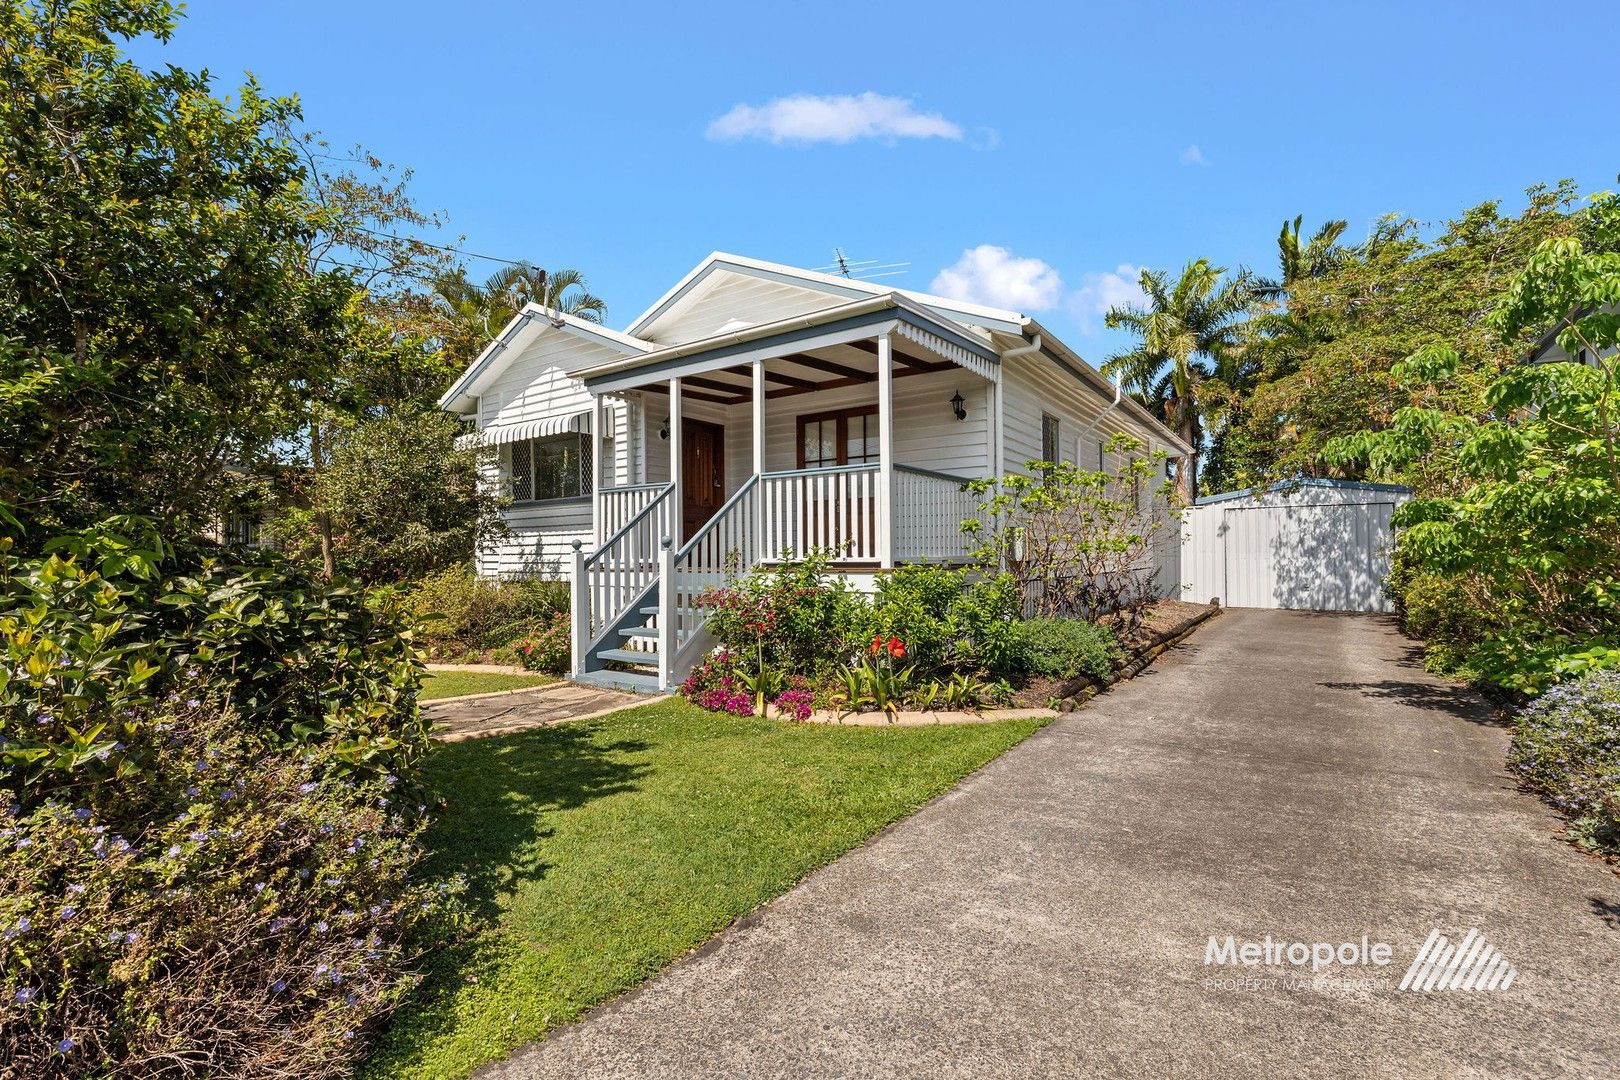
[496,434]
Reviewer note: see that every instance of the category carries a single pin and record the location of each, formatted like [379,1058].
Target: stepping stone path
[455,719]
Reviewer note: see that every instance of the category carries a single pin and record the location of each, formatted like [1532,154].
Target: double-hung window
[555,467]
[1051,439]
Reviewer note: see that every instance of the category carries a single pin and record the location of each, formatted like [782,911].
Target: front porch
[855,437]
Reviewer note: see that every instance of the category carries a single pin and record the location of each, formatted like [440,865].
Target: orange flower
[897,648]
[877,644]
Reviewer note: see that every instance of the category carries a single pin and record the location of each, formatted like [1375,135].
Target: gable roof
[843,295]
[688,291]
[524,328]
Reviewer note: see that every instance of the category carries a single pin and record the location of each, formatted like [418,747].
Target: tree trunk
[1187,474]
[323,519]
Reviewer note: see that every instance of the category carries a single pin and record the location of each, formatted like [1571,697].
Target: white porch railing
[620,505]
[727,544]
[830,509]
[929,508]
[615,575]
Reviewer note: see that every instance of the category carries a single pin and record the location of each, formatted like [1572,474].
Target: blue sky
[1034,153]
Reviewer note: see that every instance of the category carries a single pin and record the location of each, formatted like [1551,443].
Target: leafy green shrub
[109,621]
[550,648]
[463,612]
[950,619]
[1566,745]
[1435,609]
[1065,648]
[794,617]
[231,912]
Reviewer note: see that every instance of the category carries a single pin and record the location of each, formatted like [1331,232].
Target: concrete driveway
[1281,773]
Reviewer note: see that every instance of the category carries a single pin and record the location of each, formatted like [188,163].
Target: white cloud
[1193,156]
[1099,292]
[836,118]
[995,276]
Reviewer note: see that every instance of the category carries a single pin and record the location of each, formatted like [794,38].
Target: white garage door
[1290,552]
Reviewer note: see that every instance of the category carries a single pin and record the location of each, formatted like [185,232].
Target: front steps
[642,676]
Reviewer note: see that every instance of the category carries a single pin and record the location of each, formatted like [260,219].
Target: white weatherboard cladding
[1314,548]
[536,386]
[1034,385]
[725,298]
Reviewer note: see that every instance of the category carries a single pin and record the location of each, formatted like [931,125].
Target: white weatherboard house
[805,411]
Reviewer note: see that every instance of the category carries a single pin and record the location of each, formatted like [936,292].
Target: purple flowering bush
[715,685]
[235,910]
[1566,745]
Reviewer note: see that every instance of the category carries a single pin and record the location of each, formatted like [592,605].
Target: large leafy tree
[160,328]
[397,497]
[1330,371]
[1189,332]
[1517,490]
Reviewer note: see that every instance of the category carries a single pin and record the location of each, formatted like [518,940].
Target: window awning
[496,434]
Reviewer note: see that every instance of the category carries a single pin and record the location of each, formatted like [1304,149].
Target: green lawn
[598,852]
[443,684]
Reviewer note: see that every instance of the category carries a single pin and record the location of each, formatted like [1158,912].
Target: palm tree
[475,313]
[1319,255]
[1187,333]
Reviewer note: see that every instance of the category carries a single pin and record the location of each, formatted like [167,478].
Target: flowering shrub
[715,685]
[951,620]
[796,704]
[549,649]
[232,912]
[795,617]
[1566,744]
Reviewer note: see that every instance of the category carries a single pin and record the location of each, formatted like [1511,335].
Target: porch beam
[909,361]
[774,376]
[697,395]
[837,384]
[829,366]
[714,384]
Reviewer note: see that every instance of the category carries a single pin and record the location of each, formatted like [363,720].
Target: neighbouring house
[802,411]
[1546,350]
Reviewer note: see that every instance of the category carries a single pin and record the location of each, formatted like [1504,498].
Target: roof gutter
[1024,350]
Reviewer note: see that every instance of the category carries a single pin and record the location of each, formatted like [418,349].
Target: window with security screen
[555,467]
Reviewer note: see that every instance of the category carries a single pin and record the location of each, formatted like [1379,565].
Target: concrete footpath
[1281,773]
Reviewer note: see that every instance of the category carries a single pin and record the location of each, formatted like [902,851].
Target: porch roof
[850,325]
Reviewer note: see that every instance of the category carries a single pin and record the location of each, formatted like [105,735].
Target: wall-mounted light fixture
[959,406]
[663,432]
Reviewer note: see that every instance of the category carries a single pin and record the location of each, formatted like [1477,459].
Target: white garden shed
[1312,545]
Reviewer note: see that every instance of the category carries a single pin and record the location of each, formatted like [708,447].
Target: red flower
[897,648]
[877,644]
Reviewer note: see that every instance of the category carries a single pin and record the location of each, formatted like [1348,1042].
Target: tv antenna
[861,269]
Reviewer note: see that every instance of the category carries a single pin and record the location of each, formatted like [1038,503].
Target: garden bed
[1163,625]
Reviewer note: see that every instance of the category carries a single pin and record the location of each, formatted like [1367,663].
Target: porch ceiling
[830,368]
[835,348]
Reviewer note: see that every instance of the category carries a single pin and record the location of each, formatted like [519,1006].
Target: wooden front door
[703,474]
